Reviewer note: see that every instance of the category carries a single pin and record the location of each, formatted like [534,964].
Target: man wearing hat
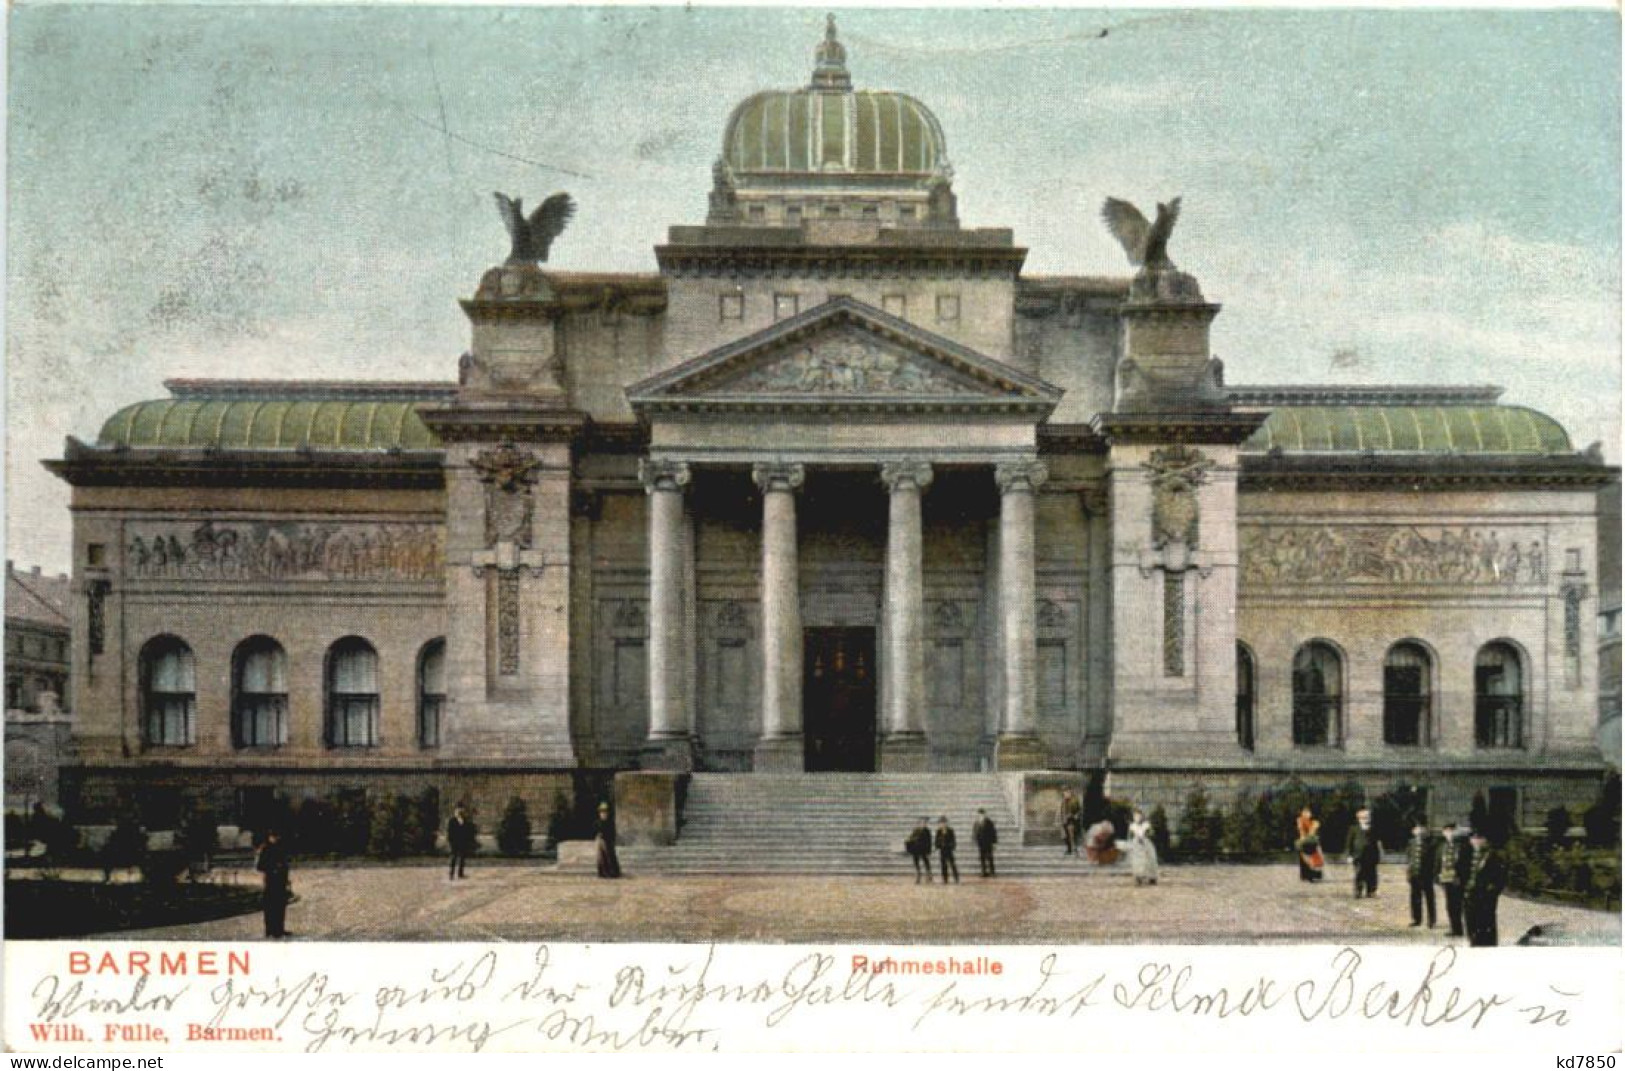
[1421,871]
[946,843]
[1365,852]
[918,846]
[273,863]
[461,838]
[609,864]
[1484,887]
[1455,867]
[986,835]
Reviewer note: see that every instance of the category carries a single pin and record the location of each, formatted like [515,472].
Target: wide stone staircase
[840,823]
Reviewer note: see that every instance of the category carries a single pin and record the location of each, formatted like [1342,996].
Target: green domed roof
[1426,429]
[269,423]
[828,128]
[806,131]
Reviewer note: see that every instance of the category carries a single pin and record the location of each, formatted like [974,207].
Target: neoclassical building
[838,488]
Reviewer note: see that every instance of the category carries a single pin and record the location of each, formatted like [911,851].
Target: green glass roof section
[269,423]
[1410,429]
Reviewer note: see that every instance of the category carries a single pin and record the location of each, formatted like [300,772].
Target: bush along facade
[513,834]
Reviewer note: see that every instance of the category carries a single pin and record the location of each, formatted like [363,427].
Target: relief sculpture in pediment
[850,365]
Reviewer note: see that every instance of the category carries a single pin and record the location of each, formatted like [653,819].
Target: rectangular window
[757,213]
[786,305]
[792,213]
[96,555]
[905,212]
[832,211]
[895,304]
[871,211]
[731,307]
[948,308]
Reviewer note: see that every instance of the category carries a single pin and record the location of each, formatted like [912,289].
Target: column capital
[776,476]
[1026,475]
[660,474]
[906,475]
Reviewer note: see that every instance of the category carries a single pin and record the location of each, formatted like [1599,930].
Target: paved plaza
[1194,904]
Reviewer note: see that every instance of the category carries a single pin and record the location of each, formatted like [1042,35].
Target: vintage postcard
[669,529]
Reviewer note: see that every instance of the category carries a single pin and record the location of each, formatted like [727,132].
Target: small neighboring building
[37,645]
[1608,602]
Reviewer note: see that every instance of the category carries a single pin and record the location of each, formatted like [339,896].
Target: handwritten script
[708,998]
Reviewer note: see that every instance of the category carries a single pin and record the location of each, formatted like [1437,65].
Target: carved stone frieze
[508,622]
[96,602]
[731,617]
[1389,554]
[948,617]
[1051,614]
[1173,624]
[849,364]
[286,550]
[1176,472]
[507,473]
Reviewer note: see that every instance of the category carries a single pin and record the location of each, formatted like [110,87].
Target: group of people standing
[1099,843]
[1472,871]
[921,843]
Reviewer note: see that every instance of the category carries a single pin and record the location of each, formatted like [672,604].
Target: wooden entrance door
[838,699]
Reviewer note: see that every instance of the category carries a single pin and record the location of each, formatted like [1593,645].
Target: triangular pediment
[845,354]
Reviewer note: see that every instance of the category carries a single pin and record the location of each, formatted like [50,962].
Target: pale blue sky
[202,191]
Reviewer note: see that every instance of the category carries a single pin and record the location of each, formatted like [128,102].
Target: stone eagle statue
[1145,243]
[534,236]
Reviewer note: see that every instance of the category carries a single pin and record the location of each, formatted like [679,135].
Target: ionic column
[904,745]
[670,743]
[780,746]
[1018,746]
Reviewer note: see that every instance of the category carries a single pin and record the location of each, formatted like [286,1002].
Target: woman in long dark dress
[1311,863]
[609,865]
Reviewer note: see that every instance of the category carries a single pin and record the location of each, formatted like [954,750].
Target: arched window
[259,693]
[1317,696]
[431,692]
[1498,696]
[168,693]
[1244,697]
[1407,695]
[352,694]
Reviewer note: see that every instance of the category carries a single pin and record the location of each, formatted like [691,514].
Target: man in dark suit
[1455,867]
[946,843]
[462,837]
[1484,887]
[986,835]
[1365,852]
[1071,820]
[919,849]
[1422,870]
[274,864]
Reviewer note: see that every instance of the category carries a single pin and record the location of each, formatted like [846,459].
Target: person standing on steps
[461,838]
[946,843]
[986,835]
[1071,820]
[918,846]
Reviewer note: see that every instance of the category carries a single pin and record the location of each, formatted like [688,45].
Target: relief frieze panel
[285,550]
[1391,554]
[849,364]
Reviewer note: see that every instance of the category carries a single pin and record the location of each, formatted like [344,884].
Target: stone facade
[834,489]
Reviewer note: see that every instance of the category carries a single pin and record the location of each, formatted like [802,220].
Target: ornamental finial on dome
[831,72]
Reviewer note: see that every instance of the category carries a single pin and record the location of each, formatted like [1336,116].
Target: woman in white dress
[1143,850]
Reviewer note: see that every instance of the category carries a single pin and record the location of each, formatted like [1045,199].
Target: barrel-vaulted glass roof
[270,423]
[1410,429]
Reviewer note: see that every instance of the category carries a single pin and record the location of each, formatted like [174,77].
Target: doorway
[838,699]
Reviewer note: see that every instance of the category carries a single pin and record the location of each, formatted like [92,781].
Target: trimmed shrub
[1201,827]
[126,845]
[1602,820]
[513,833]
[352,822]
[1095,806]
[425,823]
[1160,832]
[315,827]
[1557,826]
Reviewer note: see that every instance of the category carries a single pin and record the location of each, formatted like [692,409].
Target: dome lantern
[829,152]
[831,72]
